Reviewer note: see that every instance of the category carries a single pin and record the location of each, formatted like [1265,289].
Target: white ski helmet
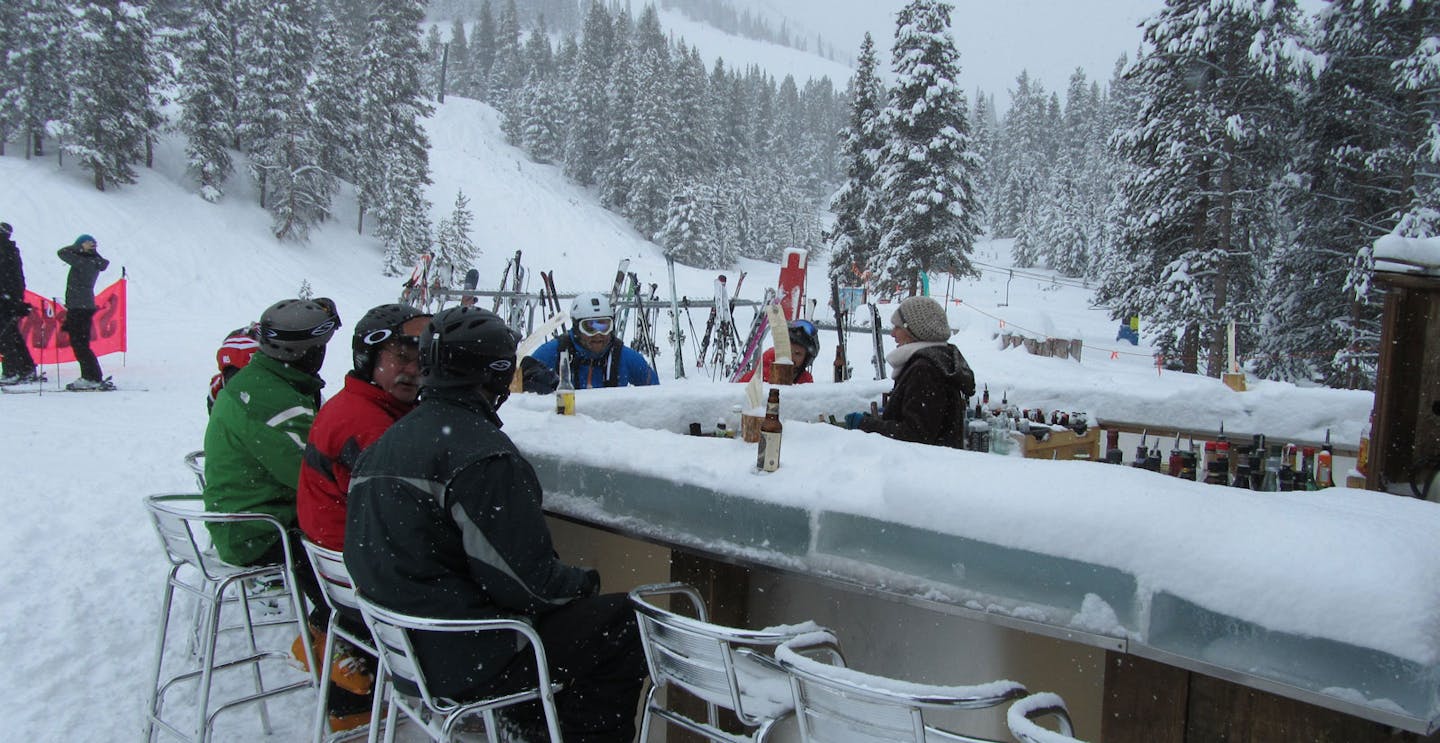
[590,305]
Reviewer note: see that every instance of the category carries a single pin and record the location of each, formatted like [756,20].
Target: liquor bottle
[1176,463]
[767,456]
[985,396]
[1286,477]
[1324,463]
[565,392]
[1362,459]
[1113,454]
[1141,452]
[1305,479]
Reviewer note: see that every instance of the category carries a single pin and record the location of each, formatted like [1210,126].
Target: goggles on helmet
[805,325]
[595,325]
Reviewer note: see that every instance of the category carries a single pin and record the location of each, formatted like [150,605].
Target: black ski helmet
[291,327]
[379,325]
[804,334]
[6,229]
[468,347]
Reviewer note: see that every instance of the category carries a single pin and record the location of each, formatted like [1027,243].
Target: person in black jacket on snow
[932,380]
[85,267]
[19,366]
[444,520]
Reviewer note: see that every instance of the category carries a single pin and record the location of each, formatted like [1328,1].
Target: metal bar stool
[841,705]
[197,571]
[1022,715]
[339,592]
[439,716]
[723,666]
[195,462]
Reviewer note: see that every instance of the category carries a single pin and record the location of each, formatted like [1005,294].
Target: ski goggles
[595,325]
[805,325]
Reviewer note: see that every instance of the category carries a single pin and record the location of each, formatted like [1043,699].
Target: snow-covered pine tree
[110,113]
[34,93]
[1117,115]
[276,42]
[435,53]
[693,121]
[855,235]
[1207,146]
[818,160]
[208,95]
[453,244]
[685,236]
[650,166]
[621,93]
[1023,142]
[300,189]
[337,114]
[482,53]
[1365,149]
[727,98]
[393,159]
[507,75]
[1068,203]
[541,109]
[585,136]
[458,79]
[927,166]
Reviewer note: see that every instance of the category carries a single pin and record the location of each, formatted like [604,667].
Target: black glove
[537,377]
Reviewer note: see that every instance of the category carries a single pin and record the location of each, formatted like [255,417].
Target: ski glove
[852,420]
[537,377]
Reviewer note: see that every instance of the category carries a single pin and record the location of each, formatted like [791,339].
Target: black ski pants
[593,648]
[18,361]
[77,324]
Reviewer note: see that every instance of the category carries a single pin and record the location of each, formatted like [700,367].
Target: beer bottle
[768,454]
[565,393]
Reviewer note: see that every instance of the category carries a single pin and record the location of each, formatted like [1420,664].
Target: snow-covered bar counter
[1331,598]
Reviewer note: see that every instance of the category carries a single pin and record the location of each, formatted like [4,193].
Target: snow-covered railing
[1329,597]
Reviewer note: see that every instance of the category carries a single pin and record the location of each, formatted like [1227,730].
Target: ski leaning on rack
[749,358]
[644,340]
[677,336]
[842,314]
[710,324]
[879,341]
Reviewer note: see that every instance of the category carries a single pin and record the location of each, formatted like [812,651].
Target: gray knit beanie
[924,318]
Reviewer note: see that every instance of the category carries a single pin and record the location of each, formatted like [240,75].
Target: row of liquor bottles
[1254,465]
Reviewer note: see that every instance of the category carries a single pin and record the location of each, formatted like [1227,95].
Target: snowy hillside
[85,572]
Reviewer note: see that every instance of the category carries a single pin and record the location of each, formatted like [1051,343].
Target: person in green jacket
[257,432]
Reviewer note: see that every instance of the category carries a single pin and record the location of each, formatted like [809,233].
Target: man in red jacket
[382,387]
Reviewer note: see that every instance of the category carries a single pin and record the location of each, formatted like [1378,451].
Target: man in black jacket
[445,521]
[19,367]
[85,267]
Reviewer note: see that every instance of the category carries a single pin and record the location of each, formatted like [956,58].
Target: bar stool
[339,592]
[439,716]
[195,462]
[179,520]
[723,666]
[1022,715]
[842,705]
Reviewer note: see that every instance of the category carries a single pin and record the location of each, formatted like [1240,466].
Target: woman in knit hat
[932,380]
[85,266]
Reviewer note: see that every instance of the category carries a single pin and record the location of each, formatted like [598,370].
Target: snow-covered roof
[1408,254]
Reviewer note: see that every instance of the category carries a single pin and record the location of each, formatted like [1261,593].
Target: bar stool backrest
[176,516]
[335,582]
[195,462]
[706,660]
[1022,715]
[834,704]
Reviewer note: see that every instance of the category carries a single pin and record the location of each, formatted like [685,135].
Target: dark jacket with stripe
[346,425]
[445,522]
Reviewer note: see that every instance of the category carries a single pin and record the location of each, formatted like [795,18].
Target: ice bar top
[1350,566]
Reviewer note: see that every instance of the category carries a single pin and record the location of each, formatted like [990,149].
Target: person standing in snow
[932,380]
[804,347]
[85,266]
[445,521]
[19,366]
[597,358]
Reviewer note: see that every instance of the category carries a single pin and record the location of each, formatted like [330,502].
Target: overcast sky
[997,38]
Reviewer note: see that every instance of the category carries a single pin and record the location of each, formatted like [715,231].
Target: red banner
[50,344]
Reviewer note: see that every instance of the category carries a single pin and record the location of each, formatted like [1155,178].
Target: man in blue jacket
[597,357]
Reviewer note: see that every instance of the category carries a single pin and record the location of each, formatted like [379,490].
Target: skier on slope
[597,358]
[932,380]
[19,366]
[86,263]
[804,347]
